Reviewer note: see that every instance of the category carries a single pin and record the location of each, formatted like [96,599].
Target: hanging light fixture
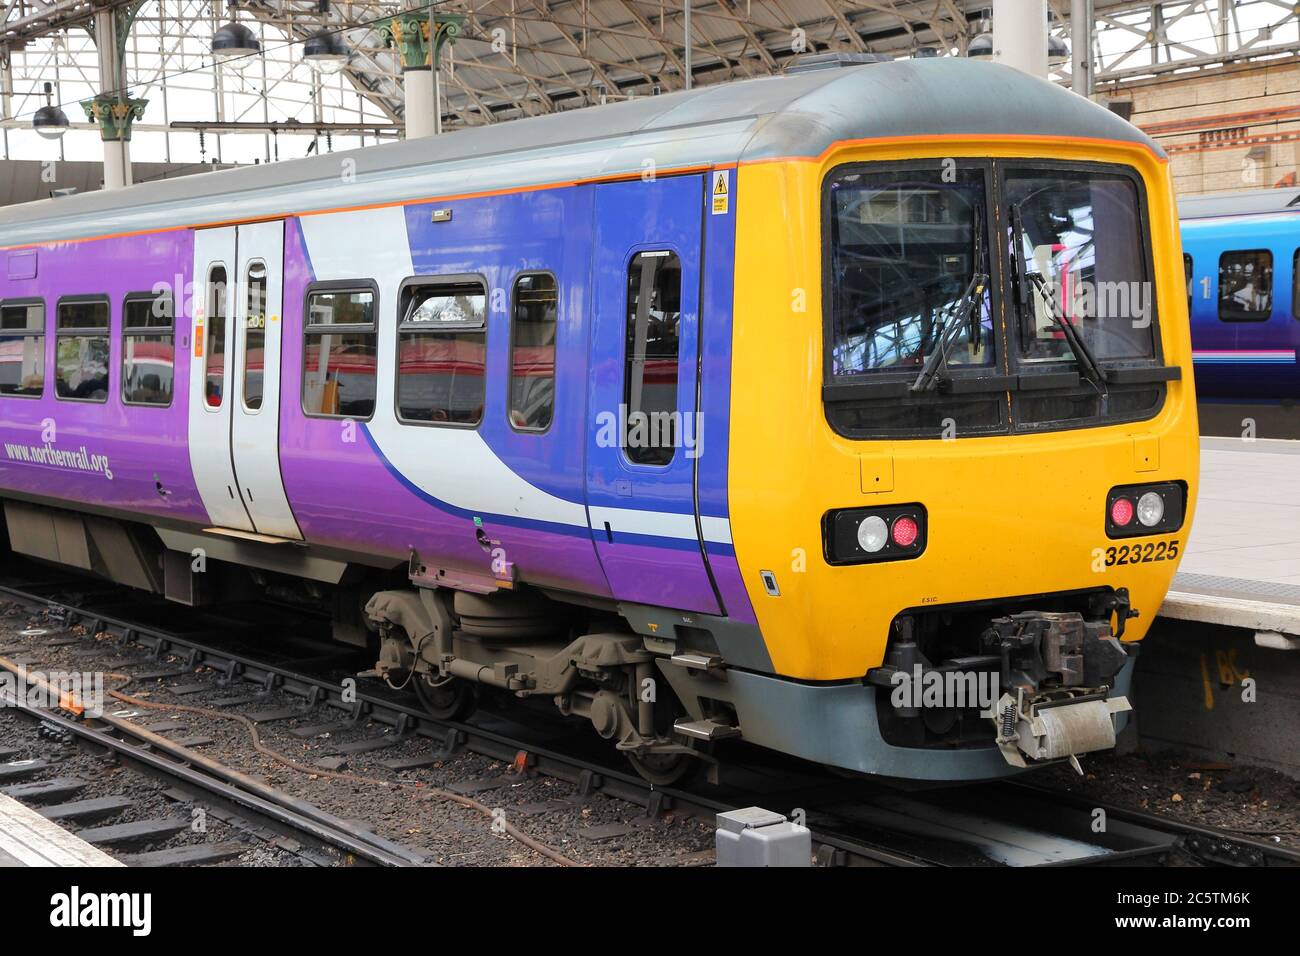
[323,51]
[1058,51]
[50,122]
[234,44]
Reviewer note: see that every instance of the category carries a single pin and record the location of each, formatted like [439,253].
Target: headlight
[1136,510]
[872,534]
[865,535]
[1150,509]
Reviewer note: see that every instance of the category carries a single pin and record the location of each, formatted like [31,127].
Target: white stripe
[454,465]
[717,530]
[660,524]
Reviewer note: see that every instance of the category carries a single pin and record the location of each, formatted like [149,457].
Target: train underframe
[1046,676]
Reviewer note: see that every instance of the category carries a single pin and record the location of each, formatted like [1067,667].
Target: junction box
[757,837]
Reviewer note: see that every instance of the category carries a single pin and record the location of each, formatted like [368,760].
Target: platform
[1242,565]
[28,839]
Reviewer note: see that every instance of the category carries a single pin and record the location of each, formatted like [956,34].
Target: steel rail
[203,774]
[1213,845]
[831,847]
[586,775]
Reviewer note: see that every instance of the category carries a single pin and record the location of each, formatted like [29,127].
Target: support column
[409,34]
[1020,35]
[113,109]
[1081,47]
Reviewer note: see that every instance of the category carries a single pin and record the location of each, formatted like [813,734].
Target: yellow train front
[963,433]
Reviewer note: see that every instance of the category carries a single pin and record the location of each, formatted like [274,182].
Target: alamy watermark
[53,689]
[1083,298]
[642,430]
[936,688]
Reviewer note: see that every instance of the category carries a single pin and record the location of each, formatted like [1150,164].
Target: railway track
[174,793]
[853,822]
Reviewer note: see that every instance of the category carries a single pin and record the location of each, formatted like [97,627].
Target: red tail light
[904,532]
[1121,512]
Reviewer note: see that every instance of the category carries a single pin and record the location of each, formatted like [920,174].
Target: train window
[1187,276]
[81,351]
[654,302]
[22,349]
[442,352]
[214,351]
[254,334]
[1246,286]
[148,350]
[339,359]
[903,247]
[532,352]
[1295,285]
[1080,234]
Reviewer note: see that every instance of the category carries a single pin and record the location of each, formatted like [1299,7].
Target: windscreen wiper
[948,330]
[1018,272]
[1082,354]
[976,333]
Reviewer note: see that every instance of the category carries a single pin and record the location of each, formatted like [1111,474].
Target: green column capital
[409,34]
[114,114]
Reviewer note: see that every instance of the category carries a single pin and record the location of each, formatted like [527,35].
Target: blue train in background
[1240,254]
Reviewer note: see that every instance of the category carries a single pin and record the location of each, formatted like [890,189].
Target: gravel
[592,830]
[1249,801]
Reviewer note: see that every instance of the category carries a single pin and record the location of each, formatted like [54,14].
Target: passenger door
[643,438]
[235,378]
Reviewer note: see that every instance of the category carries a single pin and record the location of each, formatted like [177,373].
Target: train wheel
[664,769]
[446,699]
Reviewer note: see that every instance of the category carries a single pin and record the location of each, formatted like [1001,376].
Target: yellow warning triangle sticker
[721,180]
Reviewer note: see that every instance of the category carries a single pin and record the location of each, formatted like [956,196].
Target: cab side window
[654,303]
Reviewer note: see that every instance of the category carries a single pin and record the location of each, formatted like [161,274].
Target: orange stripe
[956,138]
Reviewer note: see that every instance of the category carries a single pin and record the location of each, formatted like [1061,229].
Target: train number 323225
[1141,552]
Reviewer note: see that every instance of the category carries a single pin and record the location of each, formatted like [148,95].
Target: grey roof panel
[940,95]
[756,119]
[1246,202]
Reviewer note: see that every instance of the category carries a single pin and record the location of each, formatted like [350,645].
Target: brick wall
[1236,127]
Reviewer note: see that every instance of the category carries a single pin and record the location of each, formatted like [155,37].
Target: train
[1240,253]
[846,414]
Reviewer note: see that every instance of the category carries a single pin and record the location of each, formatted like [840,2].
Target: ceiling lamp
[324,52]
[1058,51]
[235,46]
[981,45]
[50,122]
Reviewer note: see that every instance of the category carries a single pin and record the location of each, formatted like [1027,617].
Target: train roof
[797,115]
[1246,202]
